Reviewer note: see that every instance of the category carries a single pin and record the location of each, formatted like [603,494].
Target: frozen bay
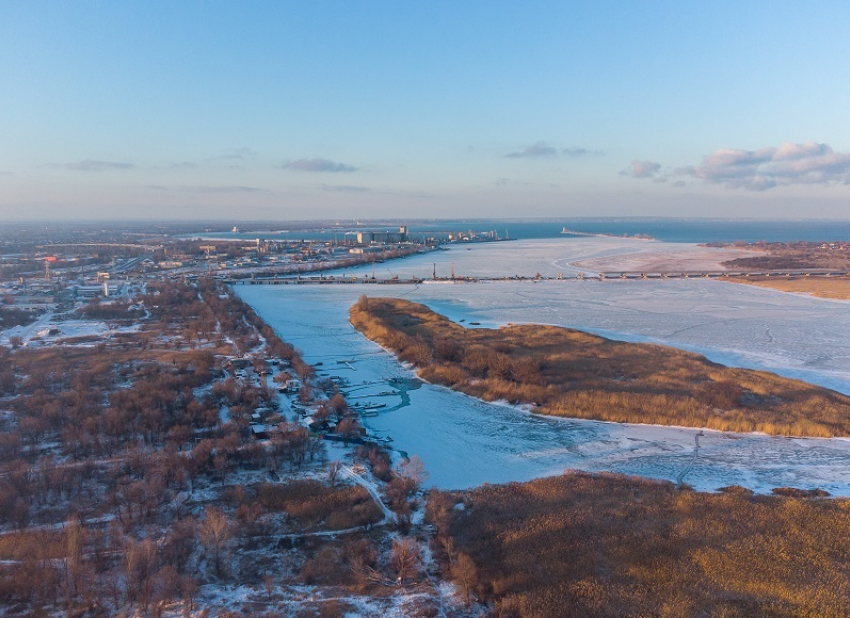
[465,442]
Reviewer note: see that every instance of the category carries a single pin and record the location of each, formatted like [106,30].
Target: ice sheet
[465,442]
[548,257]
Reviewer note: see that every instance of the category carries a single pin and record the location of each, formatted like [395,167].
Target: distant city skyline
[288,110]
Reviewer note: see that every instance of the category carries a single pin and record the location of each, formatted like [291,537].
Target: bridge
[349,280]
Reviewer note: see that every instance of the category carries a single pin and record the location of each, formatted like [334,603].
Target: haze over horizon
[274,111]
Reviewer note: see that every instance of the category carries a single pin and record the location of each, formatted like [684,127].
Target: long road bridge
[349,280]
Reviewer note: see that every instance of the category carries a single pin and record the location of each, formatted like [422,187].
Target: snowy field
[465,442]
[44,330]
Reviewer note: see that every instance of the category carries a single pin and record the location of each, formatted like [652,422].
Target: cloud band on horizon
[89,165]
[318,165]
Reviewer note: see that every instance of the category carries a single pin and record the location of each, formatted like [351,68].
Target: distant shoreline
[673,230]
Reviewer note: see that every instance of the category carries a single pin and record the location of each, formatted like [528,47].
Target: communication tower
[47,261]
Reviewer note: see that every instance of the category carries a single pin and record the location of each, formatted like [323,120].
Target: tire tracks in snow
[690,465]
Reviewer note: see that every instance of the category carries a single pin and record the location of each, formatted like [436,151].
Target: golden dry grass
[570,373]
[314,505]
[822,287]
[33,545]
[609,545]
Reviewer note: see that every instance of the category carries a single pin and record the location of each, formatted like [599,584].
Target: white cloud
[642,169]
[765,168]
[537,150]
[544,150]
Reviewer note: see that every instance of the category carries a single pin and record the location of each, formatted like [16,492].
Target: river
[465,442]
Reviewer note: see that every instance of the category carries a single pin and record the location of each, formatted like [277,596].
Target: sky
[372,109]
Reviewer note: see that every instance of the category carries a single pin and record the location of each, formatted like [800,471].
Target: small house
[238,363]
[260,432]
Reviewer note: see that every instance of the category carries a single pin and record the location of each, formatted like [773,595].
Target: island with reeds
[569,373]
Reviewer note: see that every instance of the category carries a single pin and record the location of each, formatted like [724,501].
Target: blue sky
[294,110]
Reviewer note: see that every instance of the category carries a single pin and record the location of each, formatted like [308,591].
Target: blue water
[668,230]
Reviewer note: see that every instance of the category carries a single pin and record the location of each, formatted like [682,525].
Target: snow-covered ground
[26,332]
[46,330]
[465,442]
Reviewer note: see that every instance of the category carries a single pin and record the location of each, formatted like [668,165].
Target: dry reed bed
[822,287]
[566,372]
[608,545]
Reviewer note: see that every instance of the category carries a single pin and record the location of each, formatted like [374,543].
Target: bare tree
[448,544]
[322,413]
[405,556]
[413,470]
[189,590]
[139,562]
[333,472]
[349,429]
[268,583]
[215,533]
[338,405]
[465,574]
[362,559]
[180,543]
[305,394]
[73,555]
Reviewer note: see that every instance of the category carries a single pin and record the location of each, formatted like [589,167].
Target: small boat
[364,407]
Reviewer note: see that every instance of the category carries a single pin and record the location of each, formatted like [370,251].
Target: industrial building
[385,238]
